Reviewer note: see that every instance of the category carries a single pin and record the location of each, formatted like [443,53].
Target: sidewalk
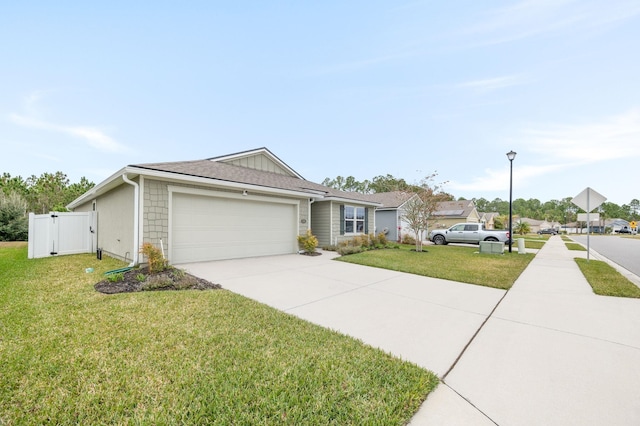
[552,353]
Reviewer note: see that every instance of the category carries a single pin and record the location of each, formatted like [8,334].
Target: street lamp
[511,155]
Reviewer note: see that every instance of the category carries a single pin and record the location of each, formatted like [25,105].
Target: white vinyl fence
[62,233]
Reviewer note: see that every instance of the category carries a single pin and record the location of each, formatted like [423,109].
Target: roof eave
[139,171]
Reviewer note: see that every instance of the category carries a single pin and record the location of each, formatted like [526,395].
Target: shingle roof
[454,208]
[391,200]
[231,173]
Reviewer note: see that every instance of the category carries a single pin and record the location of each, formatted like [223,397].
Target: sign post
[588,200]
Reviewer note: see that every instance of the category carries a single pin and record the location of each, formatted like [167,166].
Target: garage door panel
[211,228]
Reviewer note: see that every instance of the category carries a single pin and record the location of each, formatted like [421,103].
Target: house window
[354,220]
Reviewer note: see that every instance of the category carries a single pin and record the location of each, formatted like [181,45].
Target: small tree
[418,210]
[155,259]
[521,228]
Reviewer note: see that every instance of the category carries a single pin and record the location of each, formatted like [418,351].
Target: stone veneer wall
[155,212]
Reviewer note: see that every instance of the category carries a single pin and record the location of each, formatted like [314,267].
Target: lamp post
[511,155]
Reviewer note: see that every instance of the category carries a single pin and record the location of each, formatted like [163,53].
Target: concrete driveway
[424,320]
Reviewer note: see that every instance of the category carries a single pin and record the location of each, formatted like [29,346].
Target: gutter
[136,220]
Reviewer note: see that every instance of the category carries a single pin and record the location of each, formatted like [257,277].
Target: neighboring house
[240,205]
[451,212]
[488,219]
[389,216]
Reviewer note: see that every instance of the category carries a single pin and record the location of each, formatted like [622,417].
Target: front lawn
[71,355]
[605,280]
[455,263]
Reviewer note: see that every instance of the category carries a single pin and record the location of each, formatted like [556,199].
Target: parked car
[624,230]
[549,231]
[471,233]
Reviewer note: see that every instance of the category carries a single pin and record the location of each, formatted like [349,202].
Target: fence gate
[62,233]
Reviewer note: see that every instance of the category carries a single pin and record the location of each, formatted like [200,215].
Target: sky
[333,88]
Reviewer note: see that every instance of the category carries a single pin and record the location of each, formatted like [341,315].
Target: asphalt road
[623,251]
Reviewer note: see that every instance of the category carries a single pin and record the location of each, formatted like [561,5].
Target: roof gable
[391,200]
[258,159]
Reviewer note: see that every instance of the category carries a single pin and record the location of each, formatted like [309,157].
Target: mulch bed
[166,280]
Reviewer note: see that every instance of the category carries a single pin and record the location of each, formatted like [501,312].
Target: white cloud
[498,180]
[548,149]
[611,138]
[530,18]
[96,138]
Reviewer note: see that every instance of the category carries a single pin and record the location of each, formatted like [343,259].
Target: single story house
[389,216]
[389,219]
[451,212]
[245,204]
[489,219]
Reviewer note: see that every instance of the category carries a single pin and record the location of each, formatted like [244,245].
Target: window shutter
[366,220]
[341,219]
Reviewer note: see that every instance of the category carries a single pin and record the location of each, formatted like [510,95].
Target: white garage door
[214,228]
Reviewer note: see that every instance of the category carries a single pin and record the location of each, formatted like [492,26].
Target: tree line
[43,194]
[561,211]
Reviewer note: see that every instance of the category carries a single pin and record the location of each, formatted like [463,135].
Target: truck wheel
[439,240]
[492,239]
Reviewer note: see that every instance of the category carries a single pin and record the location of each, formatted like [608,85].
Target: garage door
[214,228]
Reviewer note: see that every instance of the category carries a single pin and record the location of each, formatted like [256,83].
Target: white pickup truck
[471,233]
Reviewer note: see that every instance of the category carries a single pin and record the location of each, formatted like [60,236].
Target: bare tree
[418,210]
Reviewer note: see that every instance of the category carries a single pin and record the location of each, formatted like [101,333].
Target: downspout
[136,221]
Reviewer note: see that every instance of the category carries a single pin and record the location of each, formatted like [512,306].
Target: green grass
[605,280]
[70,355]
[575,246]
[456,263]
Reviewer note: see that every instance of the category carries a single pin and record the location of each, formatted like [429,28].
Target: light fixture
[244,193]
[511,155]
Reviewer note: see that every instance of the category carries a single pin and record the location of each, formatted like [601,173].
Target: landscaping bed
[139,279]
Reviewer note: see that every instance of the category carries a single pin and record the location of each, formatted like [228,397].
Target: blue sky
[361,88]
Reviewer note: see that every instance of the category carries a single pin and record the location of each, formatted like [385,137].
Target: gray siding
[387,219]
[320,222]
[115,222]
[336,238]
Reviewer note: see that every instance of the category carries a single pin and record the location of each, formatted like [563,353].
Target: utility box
[491,247]
[521,249]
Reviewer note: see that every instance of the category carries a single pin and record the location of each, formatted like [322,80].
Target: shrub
[330,248]
[117,277]
[14,224]
[408,239]
[155,259]
[158,282]
[308,242]
[382,239]
[346,250]
[141,277]
[178,274]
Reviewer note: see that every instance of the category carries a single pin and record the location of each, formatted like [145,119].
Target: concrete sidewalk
[552,353]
